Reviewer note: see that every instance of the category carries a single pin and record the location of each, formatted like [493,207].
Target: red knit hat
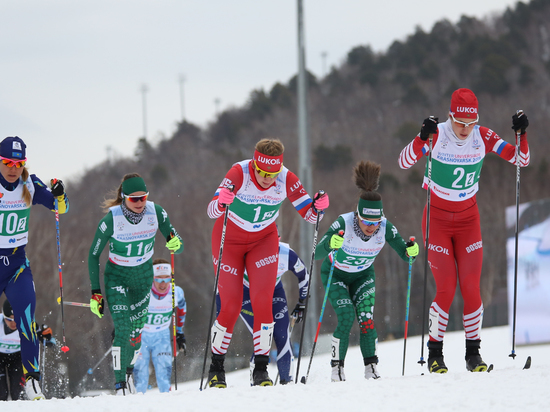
[464,104]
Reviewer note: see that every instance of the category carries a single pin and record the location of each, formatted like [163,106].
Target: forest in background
[367,108]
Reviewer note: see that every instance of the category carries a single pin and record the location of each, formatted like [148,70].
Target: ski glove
[429,126]
[520,121]
[180,339]
[320,201]
[298,312]
[412,249]
[336,241]
[58,188]
[96,304]
[226,196]
[174,244]
[45,335]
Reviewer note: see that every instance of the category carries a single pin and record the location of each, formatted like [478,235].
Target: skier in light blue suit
[156,339]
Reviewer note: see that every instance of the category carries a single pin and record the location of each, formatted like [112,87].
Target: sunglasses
[464,124]
[266,174]
[163,280]
[369,222]
[11,163]
[135,199]
[9,319]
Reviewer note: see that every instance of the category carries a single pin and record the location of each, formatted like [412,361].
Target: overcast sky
[71,71]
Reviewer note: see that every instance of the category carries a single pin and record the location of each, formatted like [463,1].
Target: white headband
[162,269]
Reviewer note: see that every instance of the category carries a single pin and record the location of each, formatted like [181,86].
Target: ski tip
[64,349]
[490,368]
[527,363]
[303,380]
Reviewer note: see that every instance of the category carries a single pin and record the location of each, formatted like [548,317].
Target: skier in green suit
[130,227]
[352,287]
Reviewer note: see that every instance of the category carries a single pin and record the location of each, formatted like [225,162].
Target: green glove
[336,241]
[174,244]
[412,250]
[96,304]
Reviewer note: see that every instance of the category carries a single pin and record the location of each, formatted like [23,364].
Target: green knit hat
[370,209]
[133,184]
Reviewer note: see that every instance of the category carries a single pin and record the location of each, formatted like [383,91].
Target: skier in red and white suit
[260,186]
[455,251]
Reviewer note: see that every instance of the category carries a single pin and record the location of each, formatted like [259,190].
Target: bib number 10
[464,179]
[11,223]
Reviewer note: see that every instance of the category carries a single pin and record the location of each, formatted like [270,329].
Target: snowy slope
[507,388]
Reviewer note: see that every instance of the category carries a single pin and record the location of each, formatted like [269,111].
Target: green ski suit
[128,276]
[352,288]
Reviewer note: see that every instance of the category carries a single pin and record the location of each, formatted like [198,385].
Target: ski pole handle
[319,194]
[411,241]
[230,188]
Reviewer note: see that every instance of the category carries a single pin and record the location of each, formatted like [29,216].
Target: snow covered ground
[506,388]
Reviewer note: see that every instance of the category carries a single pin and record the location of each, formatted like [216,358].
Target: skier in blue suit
[156,339]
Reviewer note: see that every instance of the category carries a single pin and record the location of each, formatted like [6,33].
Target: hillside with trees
[367,108]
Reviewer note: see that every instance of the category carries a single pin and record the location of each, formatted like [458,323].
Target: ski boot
[337,371]
[370,367]
[474,363]
[130,386]
[120,389]
[32,386]
[260,376]
[216,374]
[436,364]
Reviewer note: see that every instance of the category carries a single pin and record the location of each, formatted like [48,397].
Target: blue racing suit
[16,279]
[156,340]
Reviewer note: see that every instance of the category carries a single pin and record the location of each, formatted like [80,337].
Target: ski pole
[84,305]
[409,243]
[519,113]
[90,371]
[64,348]
[43,365]
[222,241]
[174,318]
[426,247]
[321,193]
[304,378]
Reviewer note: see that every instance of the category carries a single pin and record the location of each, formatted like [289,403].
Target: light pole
[182,105]
[144,89]
[304,158]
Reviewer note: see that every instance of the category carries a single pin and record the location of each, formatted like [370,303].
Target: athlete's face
[162,286]
[462,127]
[136,201]
[264,182]
[11,174]
[11,323]
[369,229]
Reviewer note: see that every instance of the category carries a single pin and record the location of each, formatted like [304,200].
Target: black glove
[298,312]
[58,188]
[45,335]
[180,339]
[520,121]
[429,126]
[45,332]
